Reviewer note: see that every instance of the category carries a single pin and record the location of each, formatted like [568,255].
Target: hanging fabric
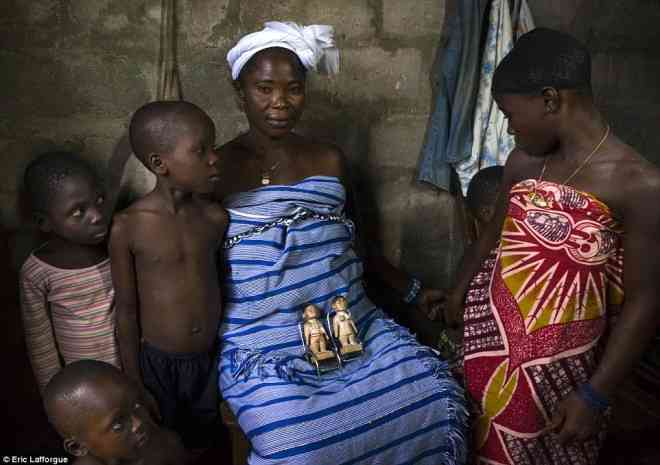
[449,137]
[491,143]
[169,85]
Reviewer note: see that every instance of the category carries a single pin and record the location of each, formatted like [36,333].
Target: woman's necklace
[537,199]
[267,173]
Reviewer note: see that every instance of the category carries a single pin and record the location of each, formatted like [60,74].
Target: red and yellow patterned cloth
[535,318]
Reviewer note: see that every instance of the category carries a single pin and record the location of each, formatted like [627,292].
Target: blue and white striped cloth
[396,404]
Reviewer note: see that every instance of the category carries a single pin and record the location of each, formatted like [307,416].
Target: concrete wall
[73,71]
[624,39]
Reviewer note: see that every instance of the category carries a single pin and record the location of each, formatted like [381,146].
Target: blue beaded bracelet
[413,290]
[592,398]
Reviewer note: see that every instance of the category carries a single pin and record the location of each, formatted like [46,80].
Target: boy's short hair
[156,126]
[44,176]
[63,396]
[484,187]
[544,58]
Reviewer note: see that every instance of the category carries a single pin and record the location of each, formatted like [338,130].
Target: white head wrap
[314,45]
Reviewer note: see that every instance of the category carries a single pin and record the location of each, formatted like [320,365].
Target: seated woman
[289,244]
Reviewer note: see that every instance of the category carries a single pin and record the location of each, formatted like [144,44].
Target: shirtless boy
[163,252]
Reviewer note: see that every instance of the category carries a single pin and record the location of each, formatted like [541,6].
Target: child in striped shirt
[67,297]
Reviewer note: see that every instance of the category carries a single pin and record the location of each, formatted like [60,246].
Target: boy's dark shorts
[186,389]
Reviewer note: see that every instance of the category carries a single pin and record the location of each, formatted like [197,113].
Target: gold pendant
[537,200]
[267,173]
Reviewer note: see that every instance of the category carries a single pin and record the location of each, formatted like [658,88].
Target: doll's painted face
[311,312]
[340,304]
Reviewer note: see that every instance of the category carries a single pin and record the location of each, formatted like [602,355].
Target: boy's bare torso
[174,256]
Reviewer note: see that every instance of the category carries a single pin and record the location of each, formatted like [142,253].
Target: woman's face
[529,122]
[272,89]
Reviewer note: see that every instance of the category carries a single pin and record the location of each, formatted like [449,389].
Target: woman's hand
[431,302]
[574,420]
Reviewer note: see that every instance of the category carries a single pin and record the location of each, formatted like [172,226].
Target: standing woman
[289,244]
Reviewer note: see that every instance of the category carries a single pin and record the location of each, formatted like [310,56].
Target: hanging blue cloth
[449,138]
[491,141]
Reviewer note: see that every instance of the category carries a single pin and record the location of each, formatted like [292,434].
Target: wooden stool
[240,446]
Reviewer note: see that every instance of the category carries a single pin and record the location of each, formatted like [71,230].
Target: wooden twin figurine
[344,329]
[327,352]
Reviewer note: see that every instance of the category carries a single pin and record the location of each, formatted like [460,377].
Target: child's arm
[516,167]
[124,280]
[42,350]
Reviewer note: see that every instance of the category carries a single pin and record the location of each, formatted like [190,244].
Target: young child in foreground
[482,194]
[67,298]
[100,415]
[481,198]
[163,250]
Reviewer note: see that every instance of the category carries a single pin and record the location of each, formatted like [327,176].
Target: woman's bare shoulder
[328,157]
[520,166]
[316,146]
[626,164]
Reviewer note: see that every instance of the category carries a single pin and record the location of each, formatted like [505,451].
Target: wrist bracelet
[413,290]
[595,400]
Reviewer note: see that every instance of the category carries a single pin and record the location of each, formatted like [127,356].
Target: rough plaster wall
[75,70]
[624,39]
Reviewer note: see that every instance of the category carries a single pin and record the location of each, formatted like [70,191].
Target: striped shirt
[68,315]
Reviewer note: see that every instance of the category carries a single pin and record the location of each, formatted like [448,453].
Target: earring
[73,447]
